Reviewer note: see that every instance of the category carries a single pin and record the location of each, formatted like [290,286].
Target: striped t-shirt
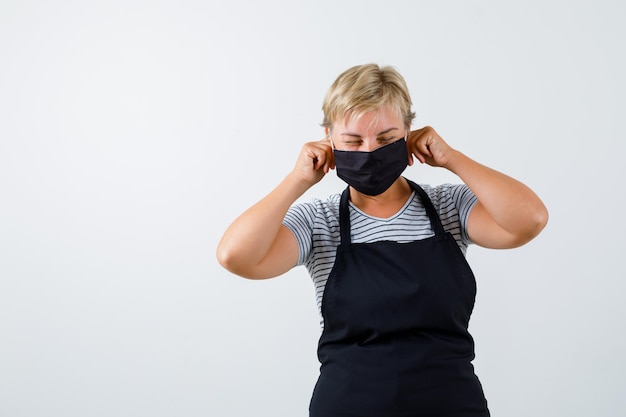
[315,225]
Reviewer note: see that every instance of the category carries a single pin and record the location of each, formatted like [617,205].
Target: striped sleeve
[465,200]
[300,219]
[454,203]
[311,222]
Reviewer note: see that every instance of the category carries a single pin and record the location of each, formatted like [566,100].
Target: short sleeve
[313,223]
[300,219]
[464,200]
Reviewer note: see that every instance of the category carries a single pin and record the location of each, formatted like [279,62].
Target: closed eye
[385,141]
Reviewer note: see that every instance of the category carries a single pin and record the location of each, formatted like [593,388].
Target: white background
[132,133]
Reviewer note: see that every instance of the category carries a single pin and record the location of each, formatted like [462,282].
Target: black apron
[395,340]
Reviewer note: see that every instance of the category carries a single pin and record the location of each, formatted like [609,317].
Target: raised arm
[257,245]
[508,214]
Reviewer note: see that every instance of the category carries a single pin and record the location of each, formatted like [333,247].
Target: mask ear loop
[330,138]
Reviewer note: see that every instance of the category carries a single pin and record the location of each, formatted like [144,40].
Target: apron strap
[344,214]
[344,219]
[435,221]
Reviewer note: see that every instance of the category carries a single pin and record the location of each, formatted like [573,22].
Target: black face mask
[372,173]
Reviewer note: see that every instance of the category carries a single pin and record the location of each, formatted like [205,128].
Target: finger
[322,158]
[423,147]
[324,148]
[416,153]
[318,159]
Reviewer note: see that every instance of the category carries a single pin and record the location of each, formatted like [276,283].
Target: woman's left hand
[428,147]
[507,213]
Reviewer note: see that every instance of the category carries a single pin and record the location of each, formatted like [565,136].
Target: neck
[383,205]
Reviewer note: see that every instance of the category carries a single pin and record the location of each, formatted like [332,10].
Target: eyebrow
[356,135]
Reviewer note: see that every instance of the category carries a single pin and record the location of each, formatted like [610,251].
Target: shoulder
[444,194]
[450,198]
[317,210]
[314,217]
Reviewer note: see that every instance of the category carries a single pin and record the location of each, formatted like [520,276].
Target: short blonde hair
[364,88]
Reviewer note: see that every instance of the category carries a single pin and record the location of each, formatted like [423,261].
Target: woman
[394,291]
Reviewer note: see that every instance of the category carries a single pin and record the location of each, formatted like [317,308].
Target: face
[368,133]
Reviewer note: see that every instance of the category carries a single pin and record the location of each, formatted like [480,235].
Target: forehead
[370,122]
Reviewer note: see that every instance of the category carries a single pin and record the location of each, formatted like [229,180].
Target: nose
[369,145]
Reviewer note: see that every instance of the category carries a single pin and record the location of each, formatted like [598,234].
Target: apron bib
[395,340]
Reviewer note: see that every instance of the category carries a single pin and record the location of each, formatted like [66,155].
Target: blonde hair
[365,88]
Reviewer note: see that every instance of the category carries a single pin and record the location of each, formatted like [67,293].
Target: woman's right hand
[257,245]
[314,161]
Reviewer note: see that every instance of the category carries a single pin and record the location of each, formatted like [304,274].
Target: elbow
[542,219]
[223,257]
[537,222]
[227,258]
[233,262]
[527,230]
